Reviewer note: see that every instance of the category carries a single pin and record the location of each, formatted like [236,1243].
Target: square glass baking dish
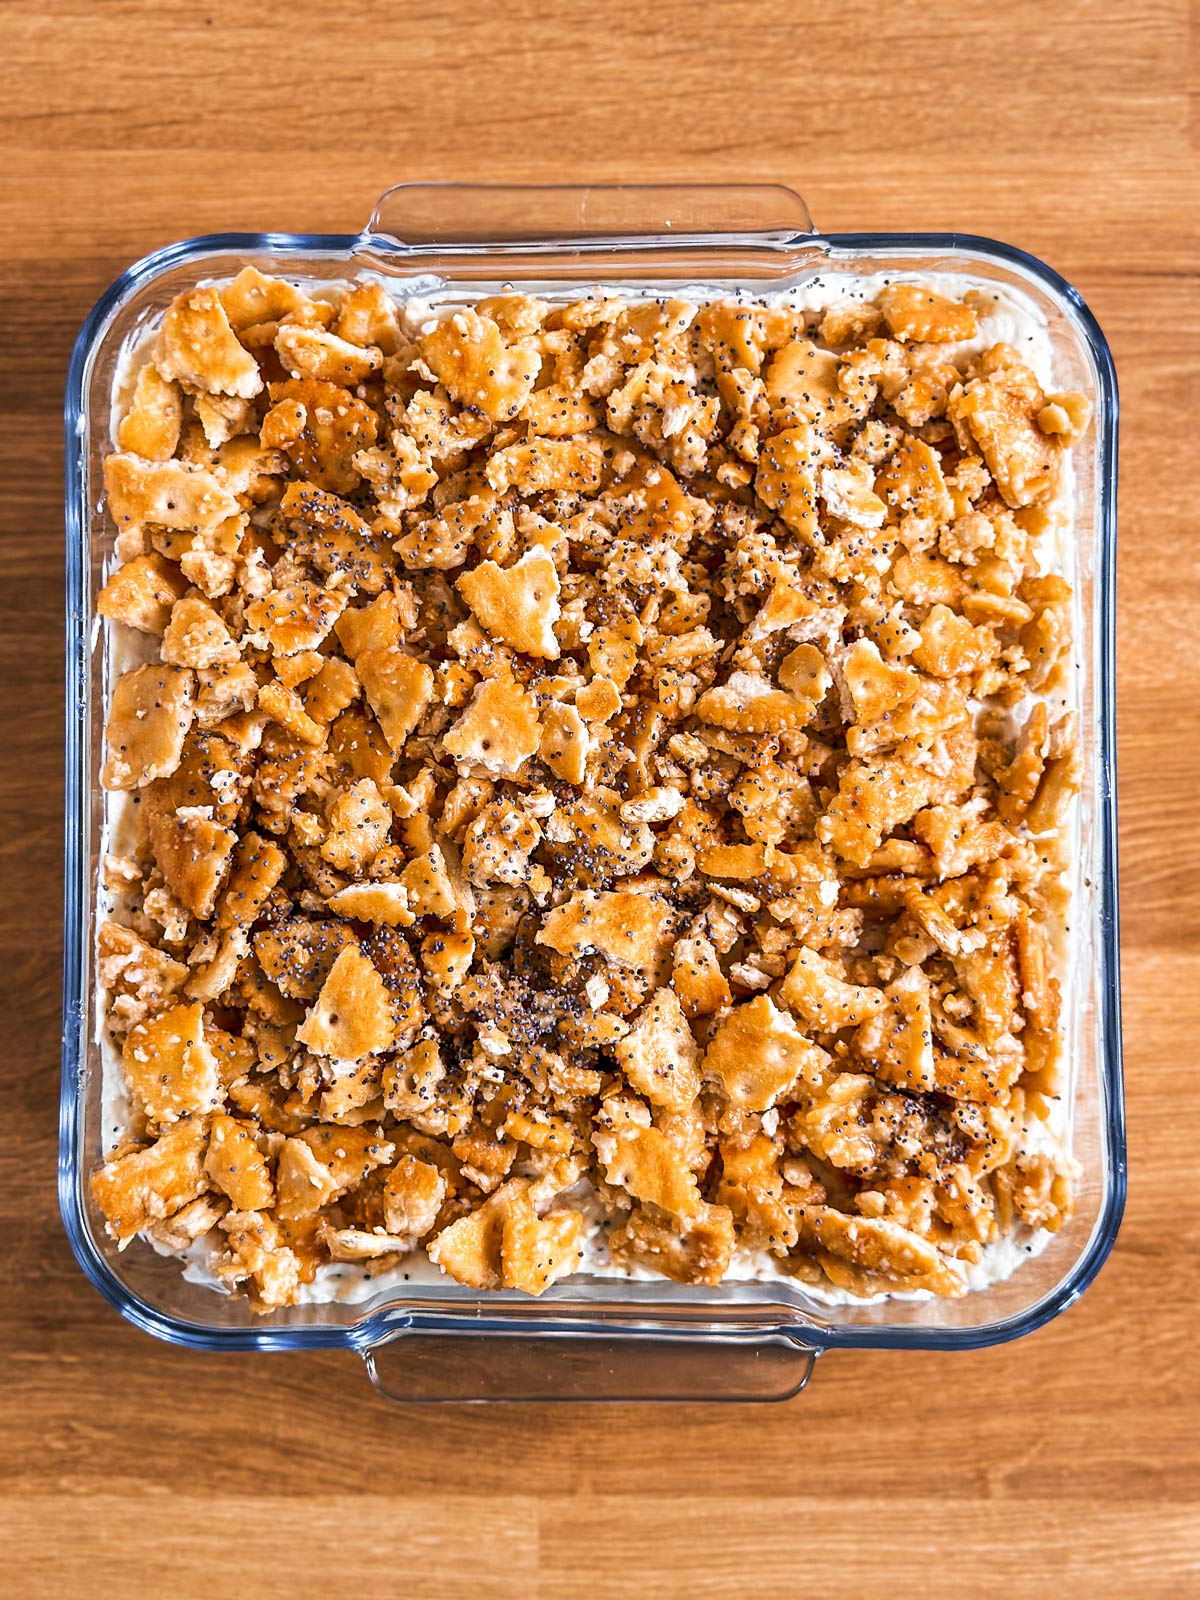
[594,1338]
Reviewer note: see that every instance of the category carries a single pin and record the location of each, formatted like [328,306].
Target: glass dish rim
[386,1323]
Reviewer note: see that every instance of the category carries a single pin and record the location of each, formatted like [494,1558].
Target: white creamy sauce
[1013,320]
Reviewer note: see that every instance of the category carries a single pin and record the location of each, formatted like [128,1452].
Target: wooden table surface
[1067,1464]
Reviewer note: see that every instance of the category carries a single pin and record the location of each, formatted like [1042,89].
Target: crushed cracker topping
[587,744]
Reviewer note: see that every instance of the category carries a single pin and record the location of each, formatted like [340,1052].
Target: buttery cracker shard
[148,720]
[1002,407]
[142,593]
[169,1066]
[321,1162]
[314,353]
[150,428]
[170,494]
[506,1244]
[659,1055]
[252,299]
[647,1165]
[144,1185]
[258,1260]
[632,929]
[296,616]
[398,688]
[912,311]
[358,822]
[875,1250]
[138,979]
[596,788]
[498,731]
[518,604]
[386,903]
[541,466]
[816,991]
[756,1053]
[468,354]
[750,703]
[192,852]
[324,429]
[351,1016]
[196,636]
[198,346]
[236,1164]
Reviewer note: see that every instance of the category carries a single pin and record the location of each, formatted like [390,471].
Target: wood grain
[1068,1464]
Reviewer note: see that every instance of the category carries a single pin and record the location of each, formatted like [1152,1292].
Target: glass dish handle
[415,1366]
[412,217]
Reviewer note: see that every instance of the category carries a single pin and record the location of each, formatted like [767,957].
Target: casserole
[600,1336]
